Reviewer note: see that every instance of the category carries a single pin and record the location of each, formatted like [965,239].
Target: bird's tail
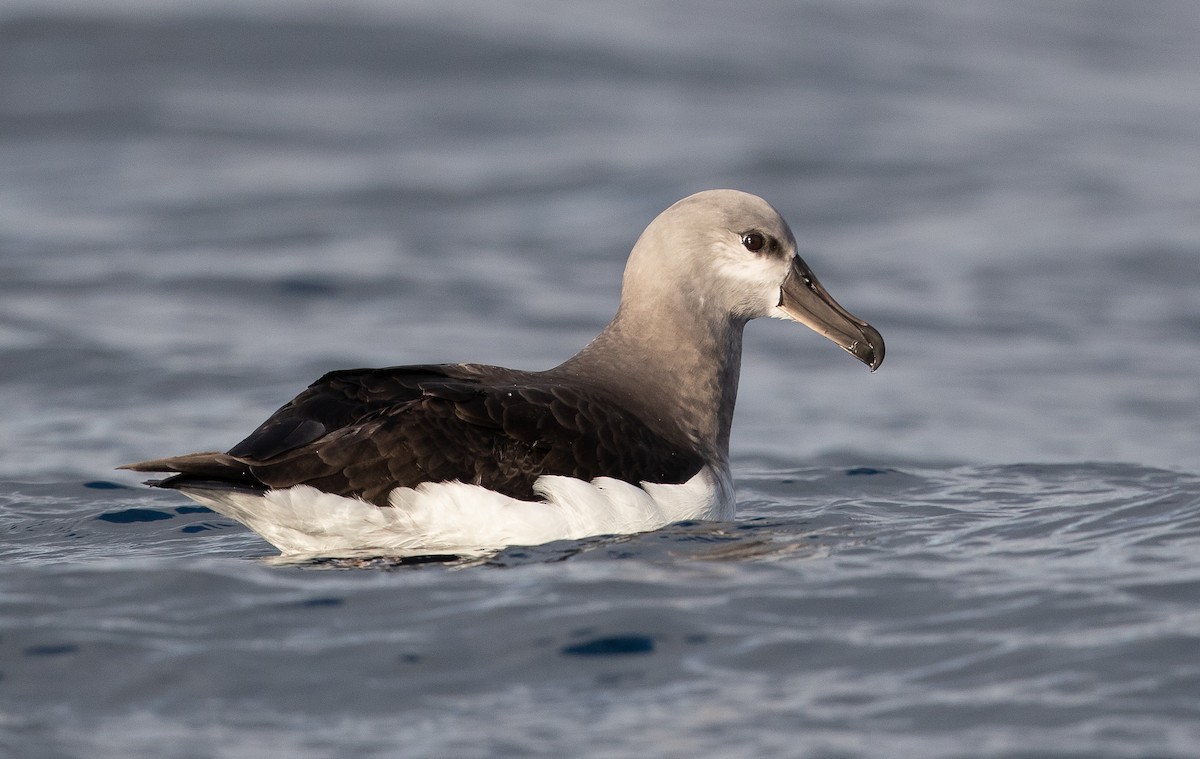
[208,470]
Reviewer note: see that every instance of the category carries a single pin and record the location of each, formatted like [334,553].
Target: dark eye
[753,241]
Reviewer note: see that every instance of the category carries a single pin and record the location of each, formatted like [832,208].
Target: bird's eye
[753,241]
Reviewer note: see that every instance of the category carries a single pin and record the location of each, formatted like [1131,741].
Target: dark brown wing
[365,432]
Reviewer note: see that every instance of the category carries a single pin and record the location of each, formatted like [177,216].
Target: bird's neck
[671,368]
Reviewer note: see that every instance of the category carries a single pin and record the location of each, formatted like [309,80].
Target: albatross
[628,435]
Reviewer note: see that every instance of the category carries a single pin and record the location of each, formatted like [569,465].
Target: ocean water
[989,548]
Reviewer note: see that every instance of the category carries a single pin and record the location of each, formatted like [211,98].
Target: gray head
[726,254]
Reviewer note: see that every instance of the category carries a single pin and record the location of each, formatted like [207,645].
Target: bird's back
[364,432]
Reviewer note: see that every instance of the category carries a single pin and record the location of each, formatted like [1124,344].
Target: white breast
[454,517]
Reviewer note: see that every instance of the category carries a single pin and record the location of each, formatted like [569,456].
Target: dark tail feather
[198,470]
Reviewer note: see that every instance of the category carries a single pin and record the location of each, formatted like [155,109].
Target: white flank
[454,517]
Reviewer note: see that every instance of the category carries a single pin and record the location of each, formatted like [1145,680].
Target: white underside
[454,517]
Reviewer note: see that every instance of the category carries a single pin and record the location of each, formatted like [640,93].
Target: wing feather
[364,432]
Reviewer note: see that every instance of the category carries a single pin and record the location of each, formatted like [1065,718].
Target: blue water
[989,548]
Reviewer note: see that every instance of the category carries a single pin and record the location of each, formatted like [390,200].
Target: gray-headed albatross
[628,435]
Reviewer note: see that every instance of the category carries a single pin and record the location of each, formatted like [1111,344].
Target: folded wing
[364,432]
